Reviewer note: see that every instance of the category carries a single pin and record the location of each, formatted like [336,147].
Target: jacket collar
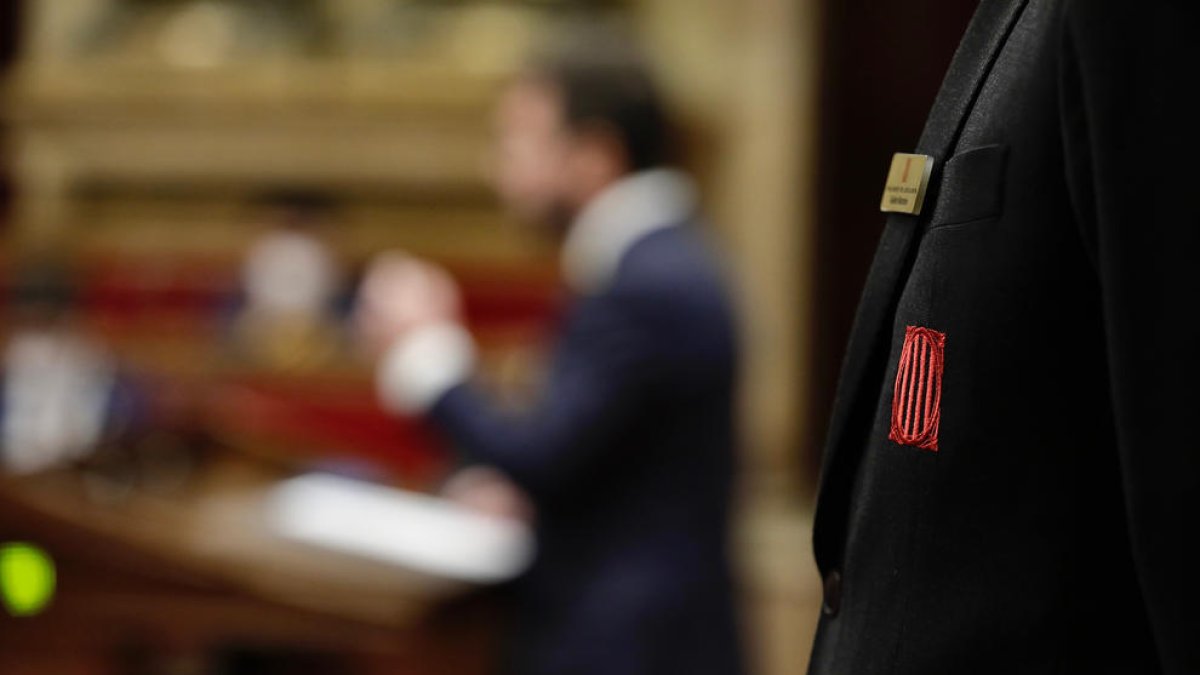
[617,218]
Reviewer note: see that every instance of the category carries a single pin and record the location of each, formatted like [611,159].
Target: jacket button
[833,593]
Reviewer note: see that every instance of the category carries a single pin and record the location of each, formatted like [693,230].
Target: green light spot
[26,578]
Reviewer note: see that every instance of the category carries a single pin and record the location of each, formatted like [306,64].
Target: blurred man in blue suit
[627,454]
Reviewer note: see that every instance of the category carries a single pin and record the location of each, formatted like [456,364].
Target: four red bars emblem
[917,398]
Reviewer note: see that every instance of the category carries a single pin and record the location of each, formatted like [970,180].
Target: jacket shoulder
[674,262]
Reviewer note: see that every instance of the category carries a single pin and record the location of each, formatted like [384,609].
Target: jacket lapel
[855,405]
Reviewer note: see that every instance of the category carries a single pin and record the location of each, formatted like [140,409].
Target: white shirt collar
[618,218]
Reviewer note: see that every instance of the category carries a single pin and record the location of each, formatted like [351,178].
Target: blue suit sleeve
[605,372]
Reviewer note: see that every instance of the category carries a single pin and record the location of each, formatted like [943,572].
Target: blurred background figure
[626,454]
[290,283]
[57,404]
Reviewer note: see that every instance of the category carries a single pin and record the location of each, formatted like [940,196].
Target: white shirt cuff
[422,366]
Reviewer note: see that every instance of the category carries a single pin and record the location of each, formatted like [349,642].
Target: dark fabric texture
[628,456]
[1050,532]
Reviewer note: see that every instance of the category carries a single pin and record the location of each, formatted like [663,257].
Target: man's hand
[488,491]
[400,294]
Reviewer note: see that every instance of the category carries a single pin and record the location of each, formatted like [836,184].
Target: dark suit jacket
[1051,529]
[628,458]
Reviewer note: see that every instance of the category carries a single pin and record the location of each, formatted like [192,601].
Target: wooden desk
[180,578]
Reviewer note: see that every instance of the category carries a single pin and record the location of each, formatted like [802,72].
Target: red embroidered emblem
[917,397]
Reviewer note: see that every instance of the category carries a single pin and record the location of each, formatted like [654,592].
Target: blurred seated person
[626,455]
[63,395]
[291,279]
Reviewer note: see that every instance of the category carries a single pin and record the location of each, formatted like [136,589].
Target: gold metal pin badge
[907,179]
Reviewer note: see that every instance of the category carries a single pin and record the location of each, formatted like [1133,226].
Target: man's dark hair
[301,208]
[603,82]
[297,199]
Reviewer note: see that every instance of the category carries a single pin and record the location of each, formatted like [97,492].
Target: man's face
[532,168]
